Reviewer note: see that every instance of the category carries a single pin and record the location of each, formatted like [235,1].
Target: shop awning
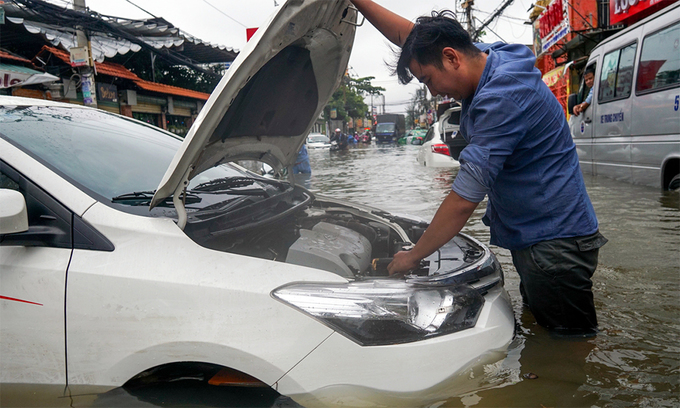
[552,77]
[13,75]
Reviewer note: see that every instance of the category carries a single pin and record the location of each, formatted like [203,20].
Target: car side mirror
[571,102]
[13,215]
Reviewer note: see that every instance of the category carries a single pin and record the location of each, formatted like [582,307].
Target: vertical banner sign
[87,87]
[554,23]
[538,45]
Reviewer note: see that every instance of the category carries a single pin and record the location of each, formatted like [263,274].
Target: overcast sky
[224,22]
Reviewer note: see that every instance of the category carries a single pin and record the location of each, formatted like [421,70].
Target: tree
[348,100]
[175,75]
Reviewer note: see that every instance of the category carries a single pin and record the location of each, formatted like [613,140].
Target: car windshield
[103,153]
[385,127]
[317,139]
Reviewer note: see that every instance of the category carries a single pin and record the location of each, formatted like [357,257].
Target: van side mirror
[13,215]
[571,102]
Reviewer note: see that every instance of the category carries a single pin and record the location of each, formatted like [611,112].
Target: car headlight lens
[381,312]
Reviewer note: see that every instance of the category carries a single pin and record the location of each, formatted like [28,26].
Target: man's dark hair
[429,36]
[590,70]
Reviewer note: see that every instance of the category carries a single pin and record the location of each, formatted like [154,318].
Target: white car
[434,151]
[129,256]
[318,141]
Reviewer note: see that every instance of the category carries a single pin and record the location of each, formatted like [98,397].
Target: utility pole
[87,84]
[491,18]
[469,20]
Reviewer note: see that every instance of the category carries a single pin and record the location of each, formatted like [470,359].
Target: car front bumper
[393,375]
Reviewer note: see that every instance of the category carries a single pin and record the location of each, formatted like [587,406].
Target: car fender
[161,298]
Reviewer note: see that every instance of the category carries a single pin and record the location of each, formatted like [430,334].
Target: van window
[584,90]
[660,60]
[616,79]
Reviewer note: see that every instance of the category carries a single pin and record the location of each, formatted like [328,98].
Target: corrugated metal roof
[171,90]
[18,69]
[156,32]
[6,55]
[119,71]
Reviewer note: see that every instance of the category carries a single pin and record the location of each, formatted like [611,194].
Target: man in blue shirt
[520,154]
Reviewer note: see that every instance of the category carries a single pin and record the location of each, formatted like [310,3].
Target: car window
[454,118]
[8,183]
[616,78]
[659,66]
[317,139]
[103,153]
[384,127]
[430,135]
[44,213]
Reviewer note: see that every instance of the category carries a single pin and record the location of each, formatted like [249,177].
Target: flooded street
[633,362]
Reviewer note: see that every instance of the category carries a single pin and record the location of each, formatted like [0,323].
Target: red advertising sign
[621,10]
[553,24]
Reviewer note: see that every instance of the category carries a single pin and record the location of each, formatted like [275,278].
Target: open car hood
[271,95]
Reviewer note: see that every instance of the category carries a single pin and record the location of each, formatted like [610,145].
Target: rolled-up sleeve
[471,181]
[494,130]
[589,98]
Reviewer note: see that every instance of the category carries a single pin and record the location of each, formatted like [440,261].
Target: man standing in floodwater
[520,154]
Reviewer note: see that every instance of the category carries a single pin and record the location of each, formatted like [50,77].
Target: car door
[33,267]
[425,148]
[582,125]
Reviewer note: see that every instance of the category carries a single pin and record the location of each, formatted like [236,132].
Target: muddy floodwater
[635,359]
[633,362]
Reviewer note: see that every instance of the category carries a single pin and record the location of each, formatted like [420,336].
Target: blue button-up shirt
[520,153]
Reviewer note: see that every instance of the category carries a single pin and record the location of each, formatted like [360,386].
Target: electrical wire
[141,9]
[225,14]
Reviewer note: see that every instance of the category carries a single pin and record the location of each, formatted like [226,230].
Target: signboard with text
[621,10]
[107,92]
[553,23]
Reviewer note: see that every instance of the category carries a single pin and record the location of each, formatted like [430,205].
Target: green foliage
[175,75]
[348,99]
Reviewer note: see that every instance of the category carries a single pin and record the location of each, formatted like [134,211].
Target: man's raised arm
[394,27]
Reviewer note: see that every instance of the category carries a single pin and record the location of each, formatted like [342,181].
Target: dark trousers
[556,282]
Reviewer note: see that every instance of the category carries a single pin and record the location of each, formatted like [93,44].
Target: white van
[631,130]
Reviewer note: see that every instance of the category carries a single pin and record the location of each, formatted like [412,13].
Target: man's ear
[451,56]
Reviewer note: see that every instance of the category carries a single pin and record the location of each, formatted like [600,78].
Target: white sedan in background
[131,257]
[435,152]
[318,141]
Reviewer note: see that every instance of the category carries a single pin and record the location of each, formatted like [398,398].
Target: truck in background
[389,127]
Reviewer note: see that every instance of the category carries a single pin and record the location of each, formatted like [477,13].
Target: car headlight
[381,312]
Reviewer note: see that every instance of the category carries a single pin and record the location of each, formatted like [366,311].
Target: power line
[502,16]
[141,9]
[225,14]
[493,16]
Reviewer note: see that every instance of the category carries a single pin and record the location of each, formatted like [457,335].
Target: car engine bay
[353,242]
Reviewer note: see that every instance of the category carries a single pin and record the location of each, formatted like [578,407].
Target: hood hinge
[179,204]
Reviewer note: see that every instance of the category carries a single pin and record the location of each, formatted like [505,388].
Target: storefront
[559,84]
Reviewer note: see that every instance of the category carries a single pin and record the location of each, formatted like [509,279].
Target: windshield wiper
[228,183]
[144,198]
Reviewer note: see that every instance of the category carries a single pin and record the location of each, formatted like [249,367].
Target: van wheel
[674,185]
